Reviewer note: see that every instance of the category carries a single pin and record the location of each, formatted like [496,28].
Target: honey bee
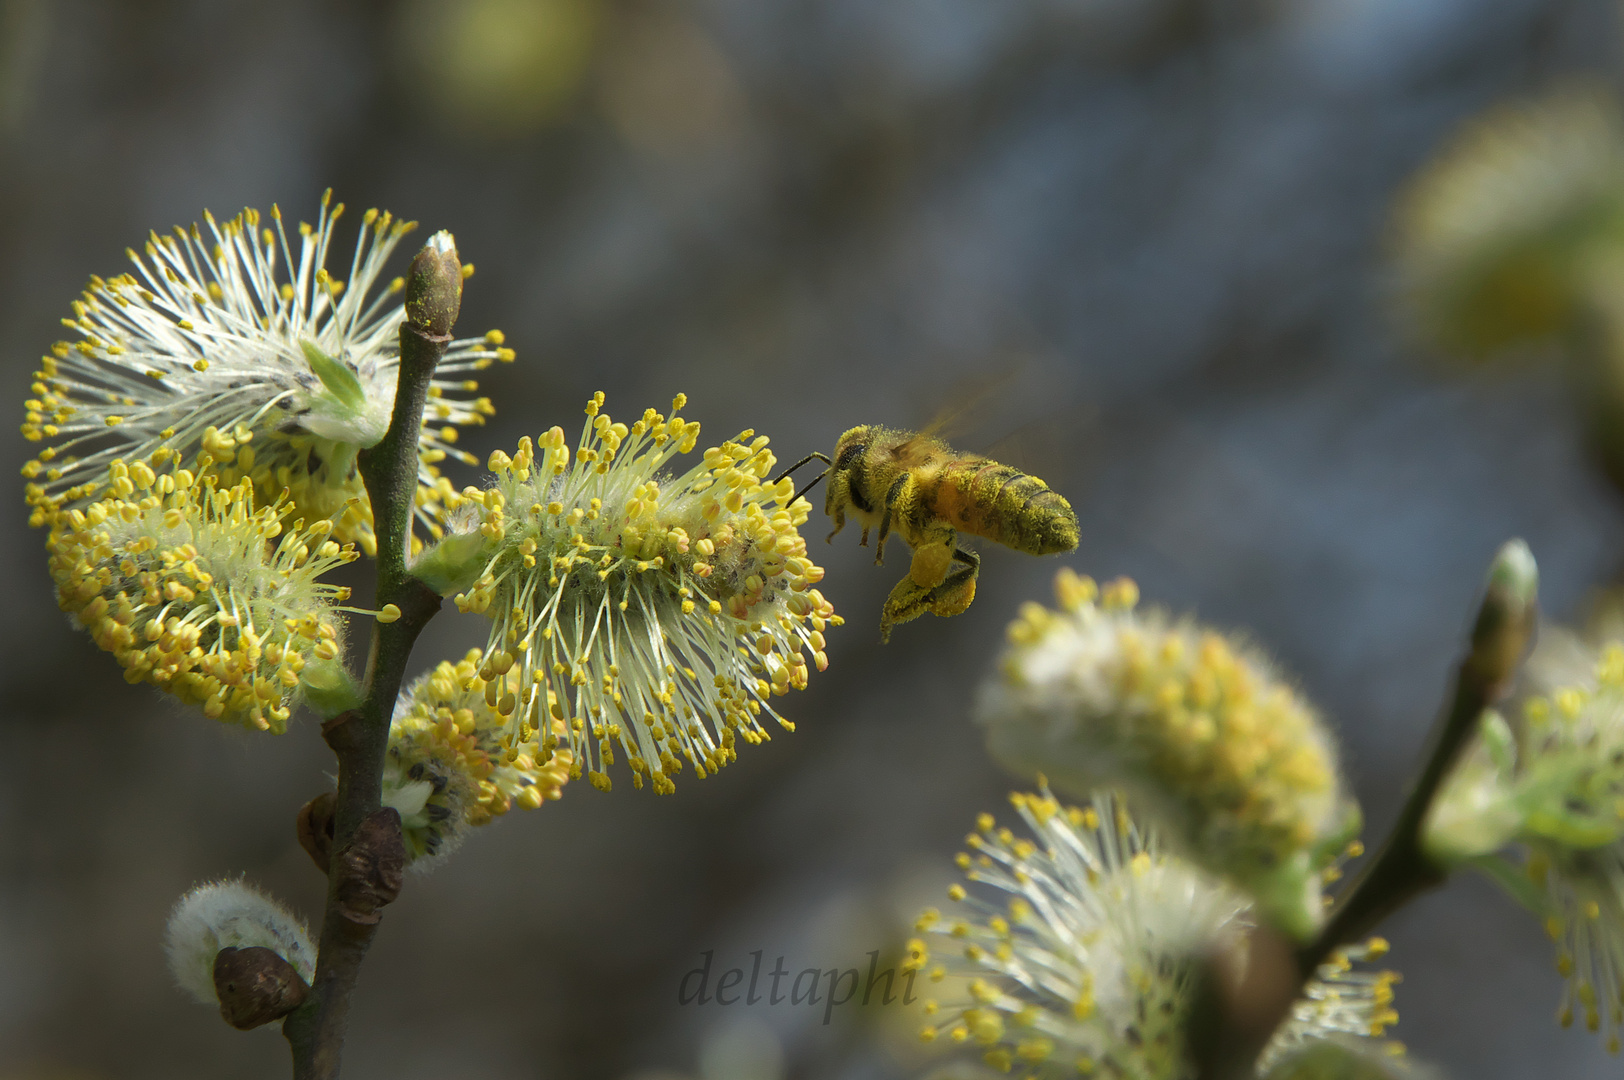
[918,487]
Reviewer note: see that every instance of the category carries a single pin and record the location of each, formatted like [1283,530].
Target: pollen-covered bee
[915,485]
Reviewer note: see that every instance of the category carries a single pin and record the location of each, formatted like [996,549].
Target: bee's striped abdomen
[1001,503]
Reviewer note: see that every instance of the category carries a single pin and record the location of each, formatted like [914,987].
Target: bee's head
[852,446]
[850,452]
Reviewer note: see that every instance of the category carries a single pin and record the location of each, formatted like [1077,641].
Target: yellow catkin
[197,592]
[228,370]
[1236,766]
[450,765]
[1115,925]
[1570,781]
[660,614]
[1493,237]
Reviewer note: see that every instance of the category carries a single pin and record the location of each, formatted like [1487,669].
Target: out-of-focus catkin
[1237,769]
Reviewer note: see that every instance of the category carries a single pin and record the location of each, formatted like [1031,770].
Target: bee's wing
[1054,446]
[1005,404]
[966,400]
[917,449]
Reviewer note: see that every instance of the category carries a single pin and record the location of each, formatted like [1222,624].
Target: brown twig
[1238,999]
[366,843]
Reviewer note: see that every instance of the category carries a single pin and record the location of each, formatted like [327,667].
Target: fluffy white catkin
[231,914]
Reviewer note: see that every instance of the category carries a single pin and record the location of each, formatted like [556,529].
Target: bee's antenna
[814,454]
[810,484]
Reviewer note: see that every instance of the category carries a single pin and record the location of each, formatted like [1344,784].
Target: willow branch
[1233,1021]
[364,872]
[1401,869]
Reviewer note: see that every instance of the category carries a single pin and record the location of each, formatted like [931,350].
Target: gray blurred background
[1153,227]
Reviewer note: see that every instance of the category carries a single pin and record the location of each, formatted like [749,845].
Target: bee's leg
[951,594]
[932,554]
[835,503]
[901,501]
[907,601]
[955,593]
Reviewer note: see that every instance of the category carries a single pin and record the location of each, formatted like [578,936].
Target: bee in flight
[917,486]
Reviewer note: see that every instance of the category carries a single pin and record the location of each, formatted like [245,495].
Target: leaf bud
[434,287]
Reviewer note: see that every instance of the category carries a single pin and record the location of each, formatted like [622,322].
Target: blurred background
[1146,239]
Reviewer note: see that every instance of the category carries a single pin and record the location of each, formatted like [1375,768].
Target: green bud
[453,564]
[1515,575]
[328,687]
[1476,810]
[1288,894]
[1506,620]
[434,286]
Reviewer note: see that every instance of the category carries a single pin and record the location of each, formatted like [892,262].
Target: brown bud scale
[371,868]
[315,829]
[255,986]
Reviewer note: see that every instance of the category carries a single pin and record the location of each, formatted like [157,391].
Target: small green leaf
[1499,742]
[1566,801]
[1349,821]
[1579,827]
[1341,1057]
[339,380]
